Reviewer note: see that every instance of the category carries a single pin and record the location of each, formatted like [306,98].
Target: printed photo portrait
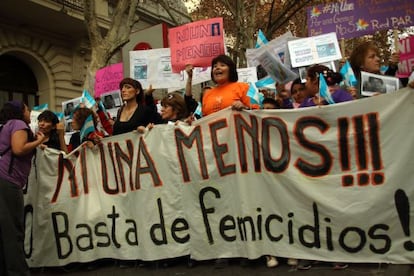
[69,106]
[140,72]
[326,50]
[112,101]
[373,84]
[302,73]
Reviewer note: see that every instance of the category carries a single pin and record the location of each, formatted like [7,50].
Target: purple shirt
[338,96]
[21,164]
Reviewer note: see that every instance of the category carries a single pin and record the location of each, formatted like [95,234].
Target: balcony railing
[71,4]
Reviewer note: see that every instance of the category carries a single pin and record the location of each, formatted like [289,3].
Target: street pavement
[207,268]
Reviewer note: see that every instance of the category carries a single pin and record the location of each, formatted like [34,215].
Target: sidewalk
[207,269]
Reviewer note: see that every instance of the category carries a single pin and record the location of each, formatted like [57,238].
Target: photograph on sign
[314,50]
[374,84]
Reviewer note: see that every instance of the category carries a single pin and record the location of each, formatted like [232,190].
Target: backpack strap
[3,152]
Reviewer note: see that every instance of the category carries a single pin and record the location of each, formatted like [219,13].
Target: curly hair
[359,53]
[12,110]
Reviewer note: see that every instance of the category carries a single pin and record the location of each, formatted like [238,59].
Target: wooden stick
[343,47]
[396,41]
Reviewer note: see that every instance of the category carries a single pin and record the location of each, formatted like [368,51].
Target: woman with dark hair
[134,112]
[17,147]
[48,124]
[332,80]
[228,91]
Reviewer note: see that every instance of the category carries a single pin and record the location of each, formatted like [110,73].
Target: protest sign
[278,71]
[153,67]
[373,84]
[352,18]
[68,107]
[112,101]
[317,183]
[108,78]
[313,50]
[196,43]
[406,63]
[248,74]
[277,46]
[200,75]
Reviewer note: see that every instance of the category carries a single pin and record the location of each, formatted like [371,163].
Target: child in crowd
[312,86]
[49,125]
[297,92]
[84,122]
[270,103]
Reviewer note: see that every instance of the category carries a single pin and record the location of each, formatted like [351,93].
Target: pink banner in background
[196,43]
[108,78]
[406,64]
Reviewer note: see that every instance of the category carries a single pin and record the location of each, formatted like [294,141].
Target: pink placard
[196,43]
[108,78]
[406,49]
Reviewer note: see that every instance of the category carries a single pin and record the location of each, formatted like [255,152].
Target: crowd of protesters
[139,112]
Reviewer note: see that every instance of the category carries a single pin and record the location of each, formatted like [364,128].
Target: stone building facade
[44,48]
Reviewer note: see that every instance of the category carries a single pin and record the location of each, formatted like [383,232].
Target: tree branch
[91,22]
[166,7]
[286,15]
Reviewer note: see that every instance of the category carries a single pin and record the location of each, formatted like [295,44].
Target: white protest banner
[153,67]
[314,49]
[330,183]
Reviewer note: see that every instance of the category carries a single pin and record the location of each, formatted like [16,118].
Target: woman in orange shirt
[228,92]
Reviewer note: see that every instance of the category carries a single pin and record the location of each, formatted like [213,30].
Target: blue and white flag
[198,110]
[87,99]
[41,107]
[59,115]
[266,82]
[254,95]
[348,75]
[324,90]
[261,39]
[87,128]
[383,69]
